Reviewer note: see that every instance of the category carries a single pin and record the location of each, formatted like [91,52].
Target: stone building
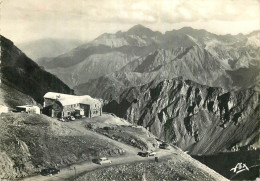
[29,109]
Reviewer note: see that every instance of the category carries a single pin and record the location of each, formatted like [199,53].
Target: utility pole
[75,172]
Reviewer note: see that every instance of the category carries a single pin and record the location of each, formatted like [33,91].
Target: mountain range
[197,118]
[190,87]
[140,55]
[186,86]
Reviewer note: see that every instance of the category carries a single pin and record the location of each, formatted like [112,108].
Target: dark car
[77,116]
[143,154]
[50,171]
[146,154]
[165,146]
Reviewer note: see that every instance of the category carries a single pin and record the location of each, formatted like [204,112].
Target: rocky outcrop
[197,118]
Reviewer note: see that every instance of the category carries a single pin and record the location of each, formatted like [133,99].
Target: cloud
[86,19]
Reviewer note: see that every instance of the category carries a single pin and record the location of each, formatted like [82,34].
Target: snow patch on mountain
[254,40]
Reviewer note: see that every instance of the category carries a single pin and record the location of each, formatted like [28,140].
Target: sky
[27,20]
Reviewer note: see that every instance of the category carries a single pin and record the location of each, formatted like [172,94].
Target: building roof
[55,95]
[27,106]
[66,99]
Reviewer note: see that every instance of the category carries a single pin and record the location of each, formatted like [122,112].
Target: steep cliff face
[20,73]
[196,118]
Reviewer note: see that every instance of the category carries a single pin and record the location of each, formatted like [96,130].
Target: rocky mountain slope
[230,62]
[11,97]
[194,63]
[228,52]
[21,76]
[106,54]
[39,49]
[197,118]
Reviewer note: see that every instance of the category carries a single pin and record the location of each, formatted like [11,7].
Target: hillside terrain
[21,76]
[196,118]
[179,167]
[11,97]
[30,143]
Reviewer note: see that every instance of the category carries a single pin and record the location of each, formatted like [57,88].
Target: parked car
[50,171]
[77,116]
[165,146]
[71,118]
[147,153]
[103,160]
[143,154]
[152,153]
[61,119]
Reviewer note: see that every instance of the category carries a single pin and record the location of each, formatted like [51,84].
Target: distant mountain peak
[192,30]
[138,26]
[141,30]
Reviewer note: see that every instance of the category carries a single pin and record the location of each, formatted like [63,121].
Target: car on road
[77,116]
[62,120]
[143,154]
[165,146]
[71,118]
[103,160]
[146,153]
[152,153]
[50,171]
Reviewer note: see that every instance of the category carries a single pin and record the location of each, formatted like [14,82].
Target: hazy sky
[26,20]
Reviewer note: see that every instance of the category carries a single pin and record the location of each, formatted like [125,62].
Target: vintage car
[77,116]
[61,119]
[165,146]
[71,118]
[50,171]
[146,153]
[103,160]
[152,153]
